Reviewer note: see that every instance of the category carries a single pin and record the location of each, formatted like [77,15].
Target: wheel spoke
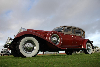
[55,39]
[89,48]
[28,46]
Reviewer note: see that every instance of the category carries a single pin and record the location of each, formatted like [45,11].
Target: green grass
[59,60]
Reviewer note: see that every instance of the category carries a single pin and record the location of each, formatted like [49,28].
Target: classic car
[28,42]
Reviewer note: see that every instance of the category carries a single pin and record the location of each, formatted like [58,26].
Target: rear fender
[86,41]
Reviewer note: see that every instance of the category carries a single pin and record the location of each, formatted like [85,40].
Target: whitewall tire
[28,47]
[89,49]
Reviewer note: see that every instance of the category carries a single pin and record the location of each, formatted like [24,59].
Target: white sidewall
[91,48]
[34,52]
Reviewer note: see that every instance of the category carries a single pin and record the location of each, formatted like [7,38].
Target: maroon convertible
[28,42]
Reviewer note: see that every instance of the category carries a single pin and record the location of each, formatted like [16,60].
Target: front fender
[22,34]
[42,35]
[29,33]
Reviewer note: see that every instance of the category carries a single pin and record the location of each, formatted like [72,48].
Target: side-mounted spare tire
[55,38]
[89,49]
[28,47]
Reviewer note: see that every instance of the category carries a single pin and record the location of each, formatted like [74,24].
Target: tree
[96,47]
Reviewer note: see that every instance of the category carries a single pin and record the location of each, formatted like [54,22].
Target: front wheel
[88,48]
[28,47]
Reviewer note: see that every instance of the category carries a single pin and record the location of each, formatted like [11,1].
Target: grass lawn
[59,60]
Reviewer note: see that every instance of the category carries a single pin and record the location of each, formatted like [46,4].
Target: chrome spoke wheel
[55,39]
[88,48]
[29,46]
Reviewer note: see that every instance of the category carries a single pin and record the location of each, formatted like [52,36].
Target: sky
[48,14]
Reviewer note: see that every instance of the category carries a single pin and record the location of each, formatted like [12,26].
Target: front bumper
[8,42]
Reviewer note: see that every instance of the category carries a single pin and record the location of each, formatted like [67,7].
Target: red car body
[67,40]
[56,40]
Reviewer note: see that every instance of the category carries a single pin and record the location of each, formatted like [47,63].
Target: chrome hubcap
[55,39]
[88,48]
[29,46]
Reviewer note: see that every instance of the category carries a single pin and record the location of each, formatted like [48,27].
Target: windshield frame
[58,29]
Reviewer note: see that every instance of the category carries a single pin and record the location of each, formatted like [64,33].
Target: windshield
[58,29]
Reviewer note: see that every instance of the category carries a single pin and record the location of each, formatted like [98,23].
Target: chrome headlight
[22,29]
[9,40]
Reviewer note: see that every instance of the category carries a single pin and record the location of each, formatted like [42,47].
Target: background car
[5,51]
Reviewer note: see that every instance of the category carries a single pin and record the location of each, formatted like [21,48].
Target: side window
[78,32]
[67,29]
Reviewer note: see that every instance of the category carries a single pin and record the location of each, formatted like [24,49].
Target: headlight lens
[22,29]
[9,40]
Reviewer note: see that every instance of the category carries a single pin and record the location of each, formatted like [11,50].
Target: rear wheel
[88,48]
[68,52]
[28,47]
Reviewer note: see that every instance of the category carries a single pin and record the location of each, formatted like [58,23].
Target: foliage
[96,47]
[59,60]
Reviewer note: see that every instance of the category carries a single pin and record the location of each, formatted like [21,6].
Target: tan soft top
[73,27]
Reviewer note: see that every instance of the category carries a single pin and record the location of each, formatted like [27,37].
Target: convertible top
[73,27]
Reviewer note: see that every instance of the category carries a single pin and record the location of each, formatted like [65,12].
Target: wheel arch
[90,43]
[16,40]
[87,41]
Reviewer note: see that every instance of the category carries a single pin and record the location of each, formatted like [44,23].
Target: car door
[67,39]
[77,39]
